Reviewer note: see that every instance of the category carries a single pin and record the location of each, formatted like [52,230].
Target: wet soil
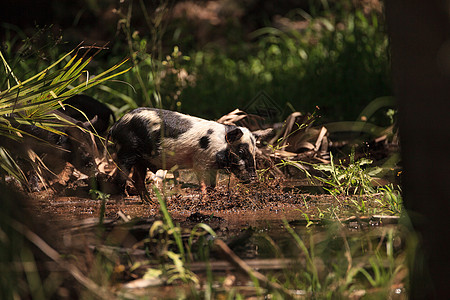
[238,204]
[235,205]
[238,213]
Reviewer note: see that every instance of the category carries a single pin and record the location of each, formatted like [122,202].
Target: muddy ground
[229,209]
[236,204]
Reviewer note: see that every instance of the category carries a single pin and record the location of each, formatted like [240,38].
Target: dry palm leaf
[296,141]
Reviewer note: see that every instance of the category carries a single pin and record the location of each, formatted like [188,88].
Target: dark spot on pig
[139,138]
[204,142]
[210,131]
[135,141]
[173,125]
[223,159]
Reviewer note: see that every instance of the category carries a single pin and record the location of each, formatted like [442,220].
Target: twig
[241,265]
[348,253]
[124,217]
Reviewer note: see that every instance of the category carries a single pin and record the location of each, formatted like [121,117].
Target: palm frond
[34,100]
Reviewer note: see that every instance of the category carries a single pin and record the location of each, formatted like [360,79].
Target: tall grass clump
[158,75]
[342,265]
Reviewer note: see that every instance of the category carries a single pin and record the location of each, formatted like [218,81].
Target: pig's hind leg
[135,170]
[139,172]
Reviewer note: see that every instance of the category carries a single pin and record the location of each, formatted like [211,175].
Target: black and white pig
[150,138]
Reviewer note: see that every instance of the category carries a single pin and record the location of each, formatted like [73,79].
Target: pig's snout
[252,175]
[248,176]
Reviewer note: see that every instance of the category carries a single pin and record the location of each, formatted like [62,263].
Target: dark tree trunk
[420,44]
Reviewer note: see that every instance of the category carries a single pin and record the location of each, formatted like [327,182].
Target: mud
[230,205]
[235,203]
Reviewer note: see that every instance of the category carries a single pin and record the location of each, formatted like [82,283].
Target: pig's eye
[241,151]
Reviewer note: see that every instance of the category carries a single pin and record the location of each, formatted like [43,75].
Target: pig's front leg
[207,179]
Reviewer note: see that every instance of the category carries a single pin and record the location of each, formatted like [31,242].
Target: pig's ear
[233,135]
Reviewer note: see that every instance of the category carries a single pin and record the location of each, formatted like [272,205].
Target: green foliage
[157,77]
[383,267]
[99,195]
[391,199]
[103,197]
[334,264]
[13,282]
[169,223]
[310,274]
[351,179]
[339,62]
[26,54]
